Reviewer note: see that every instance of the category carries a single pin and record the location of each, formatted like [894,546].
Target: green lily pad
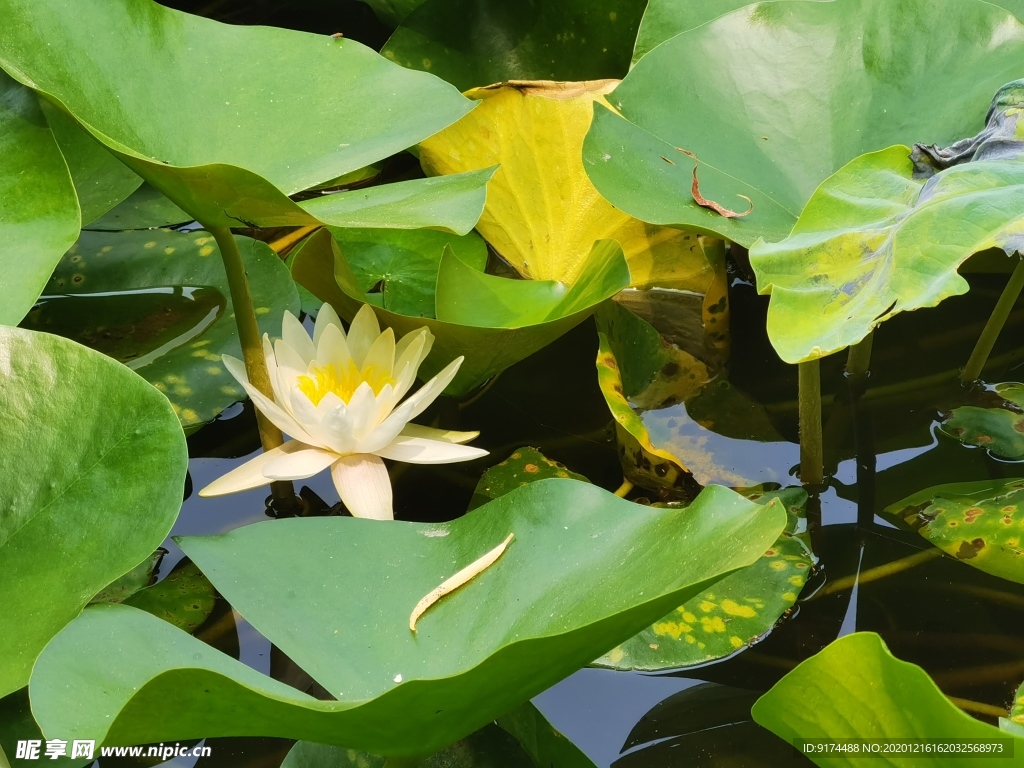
[185,598]
[16,724]
[398,269]
[493,321]
[877,239]
[817,85]
[999,430]
[139,577]
[159,302]
[393,12]
[981,523]
[93,466]
[523,738]
[1015,722]
[145,208]
[478,652]
[525,465]
[856,689]
[734,614]
[472,42]
[307,109]
[39,215]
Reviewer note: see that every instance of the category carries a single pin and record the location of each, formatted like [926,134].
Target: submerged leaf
[543,215]
[856,689]
[980,523]
[818,84]
[507,637]
[93,465]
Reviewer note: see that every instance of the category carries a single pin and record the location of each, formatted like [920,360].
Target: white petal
[381,353]
[336,426]
[444,435]
[325,317]
[236,368]
[277,415]
[421,399]
[408,360]
[418,450]
[362,409]
[295,336]
[333,349]
[364,486]
[362,333]
[298,465]
[290,366]
[249,475]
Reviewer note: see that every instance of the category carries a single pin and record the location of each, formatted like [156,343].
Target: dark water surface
[961,625]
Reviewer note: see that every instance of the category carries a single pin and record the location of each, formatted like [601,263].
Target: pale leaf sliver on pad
[459,579]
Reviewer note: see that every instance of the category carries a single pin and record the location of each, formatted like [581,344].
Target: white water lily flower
[338,397]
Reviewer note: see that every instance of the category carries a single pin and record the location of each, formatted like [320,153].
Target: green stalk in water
[858,359]
[252,352]
[996,321]
[811,451]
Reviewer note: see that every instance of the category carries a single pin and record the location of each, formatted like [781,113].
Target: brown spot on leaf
[703,202]
[969,549]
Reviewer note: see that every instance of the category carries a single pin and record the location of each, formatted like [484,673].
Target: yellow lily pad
[543,215]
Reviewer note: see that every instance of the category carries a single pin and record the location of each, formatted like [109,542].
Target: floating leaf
[393,12]
[398,269]
[525,465]
[817,85]
[1015,722]
[492,645]
[999,430]
[737,612]
[39,216]
[185,598]
[877,239]
[139,577]
[856,689]
[145,208]
[478,42]
[160,303]
[93,465]
[307,109]
[543,215]
[493,321]
[980,523]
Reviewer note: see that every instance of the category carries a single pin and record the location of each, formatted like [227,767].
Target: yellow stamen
[342,381]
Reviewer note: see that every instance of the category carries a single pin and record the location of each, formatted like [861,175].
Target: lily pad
[878,238]
[398,269]
[980,523]
[543,215]
[159,303]
[817,85]
[1015,722]
[856,689]
[307,109]
[493,321]
[93,466]
[736,613]
[479,652]
[39,215]
[999,430]
[185,598]
[139,577]
[392,12]
[478,42]
[525,465]
[145,208]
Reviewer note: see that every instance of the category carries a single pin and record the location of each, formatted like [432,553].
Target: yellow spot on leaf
[707,606]
[778,565]
[206,250]
[712,624]
[735,609]
[735,642]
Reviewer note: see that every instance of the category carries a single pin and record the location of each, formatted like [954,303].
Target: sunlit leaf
[478,653]
[269,111]
[980,523]
[999,430]
[39,215]
[493,321]
[159,302]
[525,465]
[479,42]
[856,689]
[93,466]
[877,239]
[543,215]
[817,85]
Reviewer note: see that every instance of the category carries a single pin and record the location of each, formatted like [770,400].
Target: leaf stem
[252,346]
[972,371]
[811,453]
[858,359]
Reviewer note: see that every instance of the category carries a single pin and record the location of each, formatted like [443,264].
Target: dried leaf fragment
[462,577]
[703,202]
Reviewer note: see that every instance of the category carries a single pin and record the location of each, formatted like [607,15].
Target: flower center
[342,381]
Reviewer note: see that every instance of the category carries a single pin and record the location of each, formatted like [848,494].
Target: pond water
[960,624]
